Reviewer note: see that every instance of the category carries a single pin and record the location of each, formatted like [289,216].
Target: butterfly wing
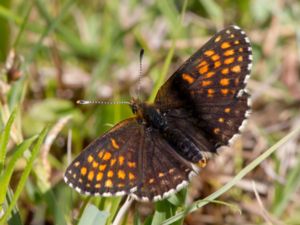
[164,171]
[109,165]
[210,86]
[129,159]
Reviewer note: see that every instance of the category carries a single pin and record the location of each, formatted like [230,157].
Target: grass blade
[5,177]
[4,137]
[24,176]
[93,216]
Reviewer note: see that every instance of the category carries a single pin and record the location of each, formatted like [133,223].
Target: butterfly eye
[134,108]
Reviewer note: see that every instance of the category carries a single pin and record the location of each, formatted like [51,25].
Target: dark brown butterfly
[201,107]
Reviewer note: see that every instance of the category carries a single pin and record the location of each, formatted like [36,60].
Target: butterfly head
[137,107]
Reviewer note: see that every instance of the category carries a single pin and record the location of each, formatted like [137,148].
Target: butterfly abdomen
[183,145]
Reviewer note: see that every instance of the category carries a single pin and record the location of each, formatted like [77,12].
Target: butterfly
[201,107]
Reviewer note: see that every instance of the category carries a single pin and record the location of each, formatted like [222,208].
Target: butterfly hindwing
[211,85]
[164,171]
[109,165]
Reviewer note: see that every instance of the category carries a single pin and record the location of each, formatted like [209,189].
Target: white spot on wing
[78,189]
[236,27]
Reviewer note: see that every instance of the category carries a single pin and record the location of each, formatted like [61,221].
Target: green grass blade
[23,25]
[50,28]
[287,190]
[4,137]
[5,177]
[164,73]
[234,181]
[115,203]
[163,210]
[93,216]
[5,33]
[24,176]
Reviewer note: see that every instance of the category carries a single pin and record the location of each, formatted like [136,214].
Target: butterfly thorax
[153,118]
[149,114]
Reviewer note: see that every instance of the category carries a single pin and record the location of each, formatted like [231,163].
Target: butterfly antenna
[86,102]
[140,74]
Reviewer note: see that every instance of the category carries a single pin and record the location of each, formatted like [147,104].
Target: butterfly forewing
[211,84]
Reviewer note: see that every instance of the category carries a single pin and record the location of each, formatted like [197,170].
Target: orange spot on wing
[217,64]
[217,130]
[110,173]
[102,167]
[236,69]
[202,163]
[151,181]
[74,175]
[224,91]
[107,156]
[80,180]
[221,120]
[99,176]
[240,58]
[215,57]
[225,71]
[131,176]
[83,171]
[206,83]
[229,60]
[121,160]
[113,161]
[121,185]
[240,49]
[210,92]
[225,45]
[90,158]
[114,143]
[121,174]
[236,42]
[161,174]
[202,63]
[97,185]
[131,164]
[232,36]
[229,52]
[227,110]
[100,154]
[209,74]
[209,52]
[91,175]
[218,38]
[95,164]
[108,183]
[188,78]
[203,69]
[224,82]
